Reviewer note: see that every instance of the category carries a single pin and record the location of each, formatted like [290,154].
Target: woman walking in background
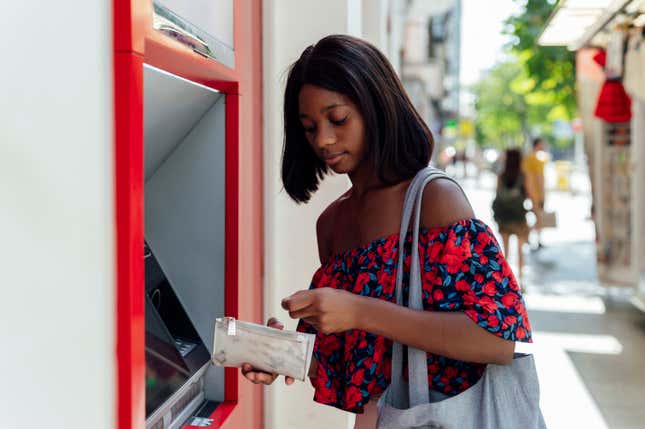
[508,205]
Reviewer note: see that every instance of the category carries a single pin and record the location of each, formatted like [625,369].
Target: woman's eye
[309,130]
[339,121]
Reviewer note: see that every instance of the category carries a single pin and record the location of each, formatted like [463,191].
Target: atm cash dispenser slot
[184,250]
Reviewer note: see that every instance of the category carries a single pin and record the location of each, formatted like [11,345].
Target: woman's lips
[334,159]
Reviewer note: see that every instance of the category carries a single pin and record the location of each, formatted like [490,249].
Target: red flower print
[479,278]
[451,372]
[483,238]
[455,266]
[490,289]
[462,286]
[472,314]
[353,396]
[469,298]
[357,378]
[335,283]
[326,396]
[487,304]
[508,300]
[385,280]
[506,270]
[435,249]
[361,281]
[493,321]
[520,333]
[437,295]
[510,320]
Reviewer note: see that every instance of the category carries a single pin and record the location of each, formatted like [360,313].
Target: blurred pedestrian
[533,170]
[508,205]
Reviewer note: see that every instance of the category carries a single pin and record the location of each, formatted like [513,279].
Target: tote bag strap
[417,359]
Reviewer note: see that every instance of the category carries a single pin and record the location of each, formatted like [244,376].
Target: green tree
[502,118]
[550,67]
[510,107]
[534,87]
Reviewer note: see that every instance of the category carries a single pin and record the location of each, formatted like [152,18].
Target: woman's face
[334,127]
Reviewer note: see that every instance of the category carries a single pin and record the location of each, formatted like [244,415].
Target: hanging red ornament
[613,105]
[600,58]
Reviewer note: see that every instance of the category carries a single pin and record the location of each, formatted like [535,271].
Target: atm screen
[174,350]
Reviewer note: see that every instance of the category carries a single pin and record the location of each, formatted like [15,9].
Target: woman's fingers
[257,377]
[303,313]
[299,300]
[261,377]
[275,323]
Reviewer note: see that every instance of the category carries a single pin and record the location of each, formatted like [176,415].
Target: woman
[346,112]
[508,206]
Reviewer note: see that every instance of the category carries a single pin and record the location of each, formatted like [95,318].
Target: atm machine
[184,168]
[184,249]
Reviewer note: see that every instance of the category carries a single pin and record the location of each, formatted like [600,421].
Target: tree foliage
[551,67]
[531,89]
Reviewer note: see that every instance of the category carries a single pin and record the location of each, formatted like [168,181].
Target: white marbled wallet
[266,349]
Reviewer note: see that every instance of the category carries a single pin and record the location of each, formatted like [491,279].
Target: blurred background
[488,76]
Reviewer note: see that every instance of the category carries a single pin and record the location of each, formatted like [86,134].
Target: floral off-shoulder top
[463,269]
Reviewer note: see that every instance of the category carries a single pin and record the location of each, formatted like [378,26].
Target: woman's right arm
[260,377]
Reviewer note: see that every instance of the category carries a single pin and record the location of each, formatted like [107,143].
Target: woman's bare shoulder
[444,203]
[324,227]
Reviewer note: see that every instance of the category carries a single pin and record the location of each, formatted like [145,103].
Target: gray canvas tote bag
[506,397]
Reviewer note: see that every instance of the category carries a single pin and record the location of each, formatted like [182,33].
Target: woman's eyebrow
[324,109]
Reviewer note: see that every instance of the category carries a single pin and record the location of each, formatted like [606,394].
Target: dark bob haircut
[399,142]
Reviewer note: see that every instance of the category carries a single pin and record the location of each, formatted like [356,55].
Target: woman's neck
[364,179]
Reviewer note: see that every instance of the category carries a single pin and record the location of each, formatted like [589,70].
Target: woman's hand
[326,309]
[261,377]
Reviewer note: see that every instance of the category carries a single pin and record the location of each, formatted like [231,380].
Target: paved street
[589,341]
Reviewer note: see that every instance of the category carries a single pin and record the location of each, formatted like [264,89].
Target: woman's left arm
[447,333]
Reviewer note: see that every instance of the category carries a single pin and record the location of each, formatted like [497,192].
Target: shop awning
[574,22]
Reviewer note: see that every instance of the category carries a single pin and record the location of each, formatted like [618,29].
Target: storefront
[610,60]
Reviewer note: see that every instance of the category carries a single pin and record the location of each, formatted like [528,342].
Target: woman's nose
[325,137]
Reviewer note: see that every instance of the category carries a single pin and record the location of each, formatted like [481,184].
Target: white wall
[290,253]
[56,216]
[374,23]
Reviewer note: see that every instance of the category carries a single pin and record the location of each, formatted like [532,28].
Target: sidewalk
[589,342]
